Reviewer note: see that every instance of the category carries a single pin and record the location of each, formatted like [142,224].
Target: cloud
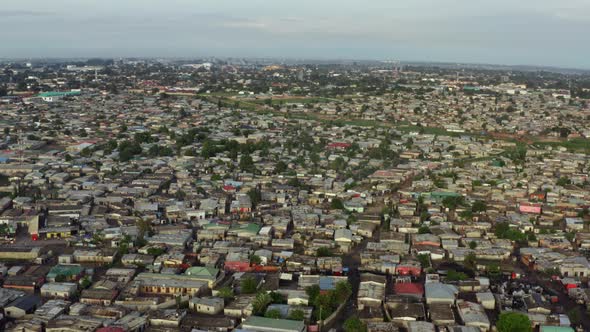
[539,31]
[243,24]
[24,13]
[291,19]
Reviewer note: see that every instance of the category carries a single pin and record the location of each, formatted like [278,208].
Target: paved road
[352,260]
[565,301]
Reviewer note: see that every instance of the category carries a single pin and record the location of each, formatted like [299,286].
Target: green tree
[453,202]
[574,316]
[315,158]
[280,167]
[472,245]
[247,164]
[504,231]
[514,322]
[156,251]
[453,275]
[517,154]
[278,298]
[255,259]
[337,204]
[86,152]
[255,197]
[273,313]
[479,206]
[226,293]
[466,214]
[531,237]
[493,269]
[296,314]
[85,282]
[207,150]
[144,227]
[325,304]
[424,260]
[338,164]
[312,292]
[563,181]
[248,285]
[324,252]
[470,261]
[343,290]
[110,146]
[144,137]
[260,302]
[123,248]
[354,324]
[424,230]
[128,150]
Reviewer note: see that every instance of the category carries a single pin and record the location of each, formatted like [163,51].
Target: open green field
[429,130]
[218,94]
[581,145]
[283,101]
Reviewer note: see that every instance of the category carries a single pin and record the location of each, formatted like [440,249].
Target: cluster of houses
[157,209]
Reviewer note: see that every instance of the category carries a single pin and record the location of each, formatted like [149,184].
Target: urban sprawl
[242,195]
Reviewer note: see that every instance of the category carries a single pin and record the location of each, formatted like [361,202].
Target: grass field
[429,130]
[218,94]
[580,145]
[283,101]
[575,144]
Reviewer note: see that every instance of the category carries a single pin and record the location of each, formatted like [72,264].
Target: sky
[513,32]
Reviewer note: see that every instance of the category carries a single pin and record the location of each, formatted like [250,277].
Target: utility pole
[321,320]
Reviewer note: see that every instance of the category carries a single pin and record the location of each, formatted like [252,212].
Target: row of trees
[326,303]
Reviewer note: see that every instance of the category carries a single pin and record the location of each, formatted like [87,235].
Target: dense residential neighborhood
[234,195]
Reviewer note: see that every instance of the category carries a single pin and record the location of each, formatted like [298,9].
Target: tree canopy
[248,285]
[513,322]
[504,231]
[354,324]
[453,202]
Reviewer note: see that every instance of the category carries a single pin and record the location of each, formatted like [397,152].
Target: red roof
[229,188]
[338,145]
[408,288]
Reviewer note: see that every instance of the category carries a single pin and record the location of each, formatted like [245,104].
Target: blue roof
[327,283]
[26,303]
[556,329]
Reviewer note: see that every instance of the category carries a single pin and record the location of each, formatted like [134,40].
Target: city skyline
[540,33]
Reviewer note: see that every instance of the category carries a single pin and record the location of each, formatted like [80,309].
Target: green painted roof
[556,329]
[250,228]
[215,225]
[497,162]
[59,93]
[65,270]
[444,194]
[272,323]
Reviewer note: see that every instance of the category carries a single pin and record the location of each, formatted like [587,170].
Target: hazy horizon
[536,33]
